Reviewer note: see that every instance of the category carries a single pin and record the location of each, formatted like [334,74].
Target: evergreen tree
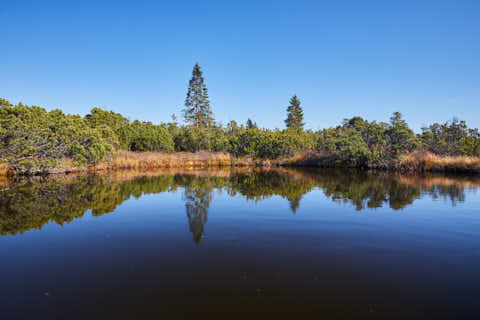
[295,203]
[5,103]
[401,137]
[197,110]
[294,114]
[251,124]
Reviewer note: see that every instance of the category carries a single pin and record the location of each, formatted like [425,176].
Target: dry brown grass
[152,160]
[418,161]
[426,161]
[313,158]
[4,183]
[4,169]
[146,161]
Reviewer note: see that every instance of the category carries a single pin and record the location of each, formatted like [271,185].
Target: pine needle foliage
[197,111]
[294,114]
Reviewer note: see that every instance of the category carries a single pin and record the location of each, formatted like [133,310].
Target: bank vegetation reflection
[31,203]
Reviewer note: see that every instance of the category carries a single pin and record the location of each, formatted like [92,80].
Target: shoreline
[415,162]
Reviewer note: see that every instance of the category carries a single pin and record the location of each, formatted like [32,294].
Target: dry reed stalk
[4,169]
[152,160]
[427,161]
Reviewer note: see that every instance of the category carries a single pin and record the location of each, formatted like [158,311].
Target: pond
[279,243]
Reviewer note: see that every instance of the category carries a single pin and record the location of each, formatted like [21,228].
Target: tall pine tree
[197,110]
[251,124]
[294,114]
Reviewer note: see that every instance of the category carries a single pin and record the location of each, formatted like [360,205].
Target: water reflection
[197,201]
[31,203]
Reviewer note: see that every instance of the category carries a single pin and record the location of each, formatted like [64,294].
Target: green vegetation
[294,115]
[31,135]
[451,138]
[359,143]
[131,136]
[197,110]
[33,139]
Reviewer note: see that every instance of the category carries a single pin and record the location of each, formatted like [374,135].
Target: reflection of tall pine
[294,114]
[197,202]
[295,203]
[197,110]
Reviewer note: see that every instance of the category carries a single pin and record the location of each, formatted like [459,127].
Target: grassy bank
[4,168]
[418,161]
[424,161]
[152,160]
[128,160]
[35,141]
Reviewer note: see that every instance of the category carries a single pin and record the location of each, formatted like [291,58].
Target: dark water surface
[277,244]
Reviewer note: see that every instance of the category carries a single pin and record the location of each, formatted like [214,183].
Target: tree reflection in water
[197,202]
[31,203]
[295,203]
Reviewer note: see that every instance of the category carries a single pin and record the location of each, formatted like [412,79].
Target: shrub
[268,144]
[451,138]
[146,136]
[359,143]
[35,134]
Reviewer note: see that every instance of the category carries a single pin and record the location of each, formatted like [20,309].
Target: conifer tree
[251,124]
[197,110]
[294,114]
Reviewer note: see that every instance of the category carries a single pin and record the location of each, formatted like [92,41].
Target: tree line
[30,135]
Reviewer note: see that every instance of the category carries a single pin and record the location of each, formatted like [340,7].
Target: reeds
[4,169]
[312,158]
[152,160]
[418,161]
[424,161]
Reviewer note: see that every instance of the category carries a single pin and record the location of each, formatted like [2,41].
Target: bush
[359,143]
[148,137]
[35,134]
[136,136]
[267,144]
[192,139]
[451,138]
[347,146]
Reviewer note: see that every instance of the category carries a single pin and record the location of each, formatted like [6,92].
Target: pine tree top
[294,114]
[197,111]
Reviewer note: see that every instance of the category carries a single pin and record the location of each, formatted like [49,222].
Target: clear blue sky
[342,58]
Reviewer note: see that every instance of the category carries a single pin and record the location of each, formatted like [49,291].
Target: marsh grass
[418,161]
[4,169]
[152,160]
[424,161]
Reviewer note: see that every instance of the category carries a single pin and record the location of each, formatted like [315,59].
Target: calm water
[313,244]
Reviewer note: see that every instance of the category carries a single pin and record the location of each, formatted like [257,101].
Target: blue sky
[342,58]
